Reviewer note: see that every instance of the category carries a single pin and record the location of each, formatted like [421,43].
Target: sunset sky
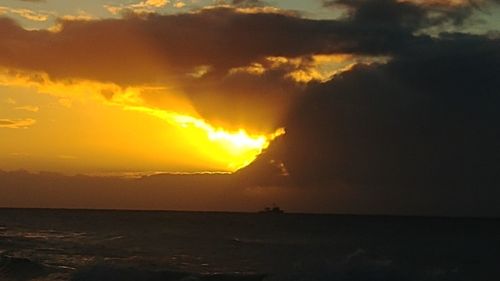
[387,106]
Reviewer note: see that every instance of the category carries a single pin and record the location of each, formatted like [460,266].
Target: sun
[237,148]
[230,149]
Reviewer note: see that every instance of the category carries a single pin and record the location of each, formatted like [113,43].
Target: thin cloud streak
[17,123]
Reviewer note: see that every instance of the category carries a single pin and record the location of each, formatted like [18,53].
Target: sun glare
[236,149]
[220,149]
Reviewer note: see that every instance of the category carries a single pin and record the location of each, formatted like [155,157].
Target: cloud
[25,13]
[147,6]
[248,2]
[418,133]
[408,15]
[215,65]
[179,4]
[17,123]
[154,50]
[155,3]
[212,192]
[144,50]
[30,108]
[451,3]
[79,16]
[67,157]
[200,192]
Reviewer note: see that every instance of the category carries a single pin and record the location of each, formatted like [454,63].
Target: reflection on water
[120,245]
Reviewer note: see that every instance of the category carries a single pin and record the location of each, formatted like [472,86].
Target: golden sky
[350,104]
[86,92]
[161,86]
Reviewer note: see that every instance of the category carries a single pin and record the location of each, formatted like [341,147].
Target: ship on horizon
[272,210]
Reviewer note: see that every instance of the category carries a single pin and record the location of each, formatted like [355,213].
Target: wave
[359,265]
[117,273]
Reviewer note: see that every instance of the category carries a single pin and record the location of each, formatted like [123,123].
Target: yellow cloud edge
[237,148]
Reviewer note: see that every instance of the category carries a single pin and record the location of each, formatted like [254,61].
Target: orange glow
[117,123]
[236,148]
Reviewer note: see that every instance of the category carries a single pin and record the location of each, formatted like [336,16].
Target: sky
[344,106]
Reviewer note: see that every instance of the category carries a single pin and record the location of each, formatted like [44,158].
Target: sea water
[81,245]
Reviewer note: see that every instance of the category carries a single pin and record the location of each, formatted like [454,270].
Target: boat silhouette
[274,210]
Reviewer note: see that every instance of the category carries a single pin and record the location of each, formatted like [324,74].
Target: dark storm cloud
[251,101]
[408,16]
[141,49]
[161,49]
[145,49]
[419,133]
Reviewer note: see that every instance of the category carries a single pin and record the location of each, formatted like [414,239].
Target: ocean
[90,245]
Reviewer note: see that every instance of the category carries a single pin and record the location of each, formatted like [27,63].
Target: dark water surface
[85,245]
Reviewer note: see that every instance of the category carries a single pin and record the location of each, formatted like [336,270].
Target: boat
[274,210]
